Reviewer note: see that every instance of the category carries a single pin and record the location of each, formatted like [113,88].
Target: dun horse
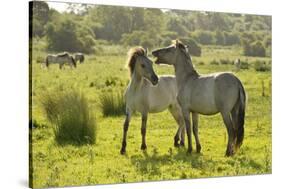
[61,59]
[208,95]
[146,93]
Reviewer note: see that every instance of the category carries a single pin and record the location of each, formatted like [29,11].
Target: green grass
[69,165]
[112,104]
[70,116]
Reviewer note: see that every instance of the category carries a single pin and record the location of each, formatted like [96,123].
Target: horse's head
[168,55]
[141,65]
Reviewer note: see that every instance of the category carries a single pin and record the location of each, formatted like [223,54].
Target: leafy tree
[204,37]
[218,21]
[258,49]
[254,49]
[219,38]
[39,14]
[175,25]
[231,38]
[67,35]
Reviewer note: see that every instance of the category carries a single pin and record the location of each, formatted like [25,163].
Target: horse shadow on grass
[151,163]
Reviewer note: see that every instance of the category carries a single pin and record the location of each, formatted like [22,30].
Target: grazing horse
[146,93]
[206,94]
[61,59]
[79,57]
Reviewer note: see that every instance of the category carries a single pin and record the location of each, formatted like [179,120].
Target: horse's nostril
[155,78]
[154,53]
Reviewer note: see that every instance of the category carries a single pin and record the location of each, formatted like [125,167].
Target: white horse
[208,95]
[146,93]
[61,59]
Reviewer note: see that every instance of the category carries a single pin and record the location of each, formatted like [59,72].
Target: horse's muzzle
[154,79]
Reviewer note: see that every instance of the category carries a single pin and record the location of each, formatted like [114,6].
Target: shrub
[225,61]
[254,49]
[214,62]
[261,66]
[70,115]
[111,104]
[204,37]
[231,38]
[40,59]
[258,49]
[137,38]
[244,65]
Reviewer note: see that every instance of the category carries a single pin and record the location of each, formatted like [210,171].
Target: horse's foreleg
[195,131]
[230,131]
[177,114]
[186,115]
[143,130]
[125,130]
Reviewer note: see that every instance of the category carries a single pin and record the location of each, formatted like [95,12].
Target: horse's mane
[63,54]
[132,55]
[184,49]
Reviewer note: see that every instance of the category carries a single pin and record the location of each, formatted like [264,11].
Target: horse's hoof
[176,145]
[143,147]
[229,153]
[122,151]
[182,144]
[189,150]
[198,149]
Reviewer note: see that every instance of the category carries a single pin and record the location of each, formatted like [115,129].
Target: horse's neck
[184,70]
[136,82]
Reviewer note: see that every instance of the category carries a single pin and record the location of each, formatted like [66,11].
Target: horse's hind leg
[234,118]
[195,131]
[230,131]
[176,113]
[125,130]
[143,130]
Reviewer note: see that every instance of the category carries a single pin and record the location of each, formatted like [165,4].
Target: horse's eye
[142,65]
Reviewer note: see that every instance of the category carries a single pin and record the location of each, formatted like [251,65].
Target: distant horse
[146,93]
[237,65]
[208,95]
[79,57]
[61,59]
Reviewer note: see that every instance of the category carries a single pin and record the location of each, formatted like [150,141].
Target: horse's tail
[240,108]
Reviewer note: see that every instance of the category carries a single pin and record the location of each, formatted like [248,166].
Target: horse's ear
[177,43]
[145,51]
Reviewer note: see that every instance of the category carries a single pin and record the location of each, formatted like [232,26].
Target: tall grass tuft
[70,115]
[112,104]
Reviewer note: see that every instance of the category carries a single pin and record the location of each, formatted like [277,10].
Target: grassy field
[69,165]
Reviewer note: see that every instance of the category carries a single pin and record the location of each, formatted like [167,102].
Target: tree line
[83,27]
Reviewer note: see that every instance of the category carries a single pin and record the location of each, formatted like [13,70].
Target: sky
[59,6]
